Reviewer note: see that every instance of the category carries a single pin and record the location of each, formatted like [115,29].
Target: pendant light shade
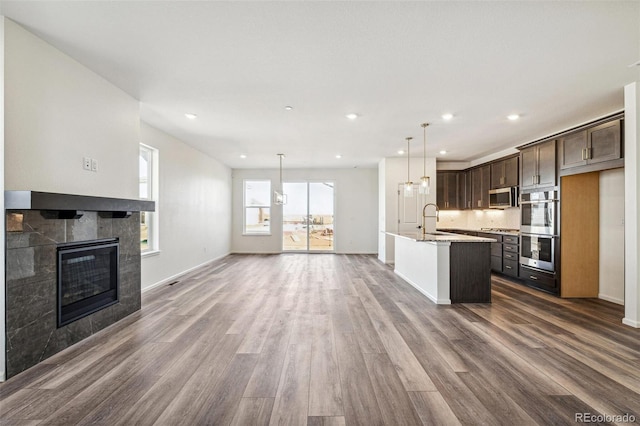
[279,197]
[425,181]
[408,185]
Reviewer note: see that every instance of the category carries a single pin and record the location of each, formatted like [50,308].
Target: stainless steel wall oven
[538,219]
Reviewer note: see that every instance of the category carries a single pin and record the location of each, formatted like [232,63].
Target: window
[257,207]
[148,168]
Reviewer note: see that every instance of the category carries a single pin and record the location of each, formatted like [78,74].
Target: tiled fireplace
[56,293]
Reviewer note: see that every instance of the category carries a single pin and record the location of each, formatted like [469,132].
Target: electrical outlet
[86,163]
[94,165]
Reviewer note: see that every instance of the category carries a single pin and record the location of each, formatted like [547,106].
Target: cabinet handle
[584,154]
[589,157]
[533,180]
[507,266]
[533,278]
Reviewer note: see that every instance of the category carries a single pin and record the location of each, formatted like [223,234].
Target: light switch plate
[94,165]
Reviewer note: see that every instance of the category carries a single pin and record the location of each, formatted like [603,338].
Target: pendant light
[408,185]
[279,197]
[425,181]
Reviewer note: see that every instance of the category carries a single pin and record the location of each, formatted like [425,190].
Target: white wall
[631,206]
[194,209]
[56,112]
[356,209]
[612,236]
[395,172]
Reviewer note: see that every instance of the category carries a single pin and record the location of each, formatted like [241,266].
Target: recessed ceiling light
[243,156]
[400,151]
[352,116]
[191,116]
[447,116]
[338,156]
[443,152]
[513,117]
[288,107]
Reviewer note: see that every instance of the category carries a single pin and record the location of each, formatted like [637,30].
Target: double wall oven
[538,229]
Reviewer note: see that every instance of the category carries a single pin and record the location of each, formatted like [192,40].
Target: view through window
[148,191]
[308,216]
[257,206]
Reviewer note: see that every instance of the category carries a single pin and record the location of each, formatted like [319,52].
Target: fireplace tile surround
[32,236]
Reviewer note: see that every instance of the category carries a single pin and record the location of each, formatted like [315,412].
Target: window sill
[150,253]
[256,234]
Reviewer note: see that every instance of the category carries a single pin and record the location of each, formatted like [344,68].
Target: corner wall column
[632,205]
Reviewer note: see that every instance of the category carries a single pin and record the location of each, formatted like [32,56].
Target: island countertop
[440,236]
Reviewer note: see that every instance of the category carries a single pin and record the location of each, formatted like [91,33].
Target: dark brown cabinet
[480,183]
[504,173]
[510,255]
[538,166]
[594,146]
[447,187]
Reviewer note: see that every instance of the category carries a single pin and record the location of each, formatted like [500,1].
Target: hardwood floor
[299,339]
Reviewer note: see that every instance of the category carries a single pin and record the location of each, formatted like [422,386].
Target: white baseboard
[429,296]
[611,299]
[173,277]
[630,322]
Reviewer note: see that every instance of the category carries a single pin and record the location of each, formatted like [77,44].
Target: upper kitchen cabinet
[464,189]
[480,183]
[504,173]
[447,190]
[593,149]
[538,166]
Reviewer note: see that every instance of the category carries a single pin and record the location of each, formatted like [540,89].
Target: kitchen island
[447,268]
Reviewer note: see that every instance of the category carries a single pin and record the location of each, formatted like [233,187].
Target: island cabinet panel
[470,272]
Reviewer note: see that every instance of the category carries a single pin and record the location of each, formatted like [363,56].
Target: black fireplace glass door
[87,278]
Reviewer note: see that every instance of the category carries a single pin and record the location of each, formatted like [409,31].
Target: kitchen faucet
[424,216]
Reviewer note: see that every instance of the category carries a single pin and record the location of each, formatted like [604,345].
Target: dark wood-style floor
[299,339]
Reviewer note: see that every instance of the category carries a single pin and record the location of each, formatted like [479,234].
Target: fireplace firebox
[88,278]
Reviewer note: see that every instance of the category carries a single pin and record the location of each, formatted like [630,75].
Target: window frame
[269,206]
[152,218]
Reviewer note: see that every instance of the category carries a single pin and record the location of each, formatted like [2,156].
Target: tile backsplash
[476,219]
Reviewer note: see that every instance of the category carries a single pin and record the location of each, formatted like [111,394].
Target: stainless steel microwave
[503,198]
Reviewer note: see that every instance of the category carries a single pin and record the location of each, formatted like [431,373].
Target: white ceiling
[395,64]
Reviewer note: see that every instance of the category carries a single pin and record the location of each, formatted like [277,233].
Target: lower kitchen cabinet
[539,279]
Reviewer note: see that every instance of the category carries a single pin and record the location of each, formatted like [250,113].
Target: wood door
[572,150]
[511,171]
[440,189]
[497,175]
[528,167]
[467,190]
[546,164]
[476,188]
[604,142]
[451,191]
[485,173]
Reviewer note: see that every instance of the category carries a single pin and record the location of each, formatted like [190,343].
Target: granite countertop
[440,236]
[484,231]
